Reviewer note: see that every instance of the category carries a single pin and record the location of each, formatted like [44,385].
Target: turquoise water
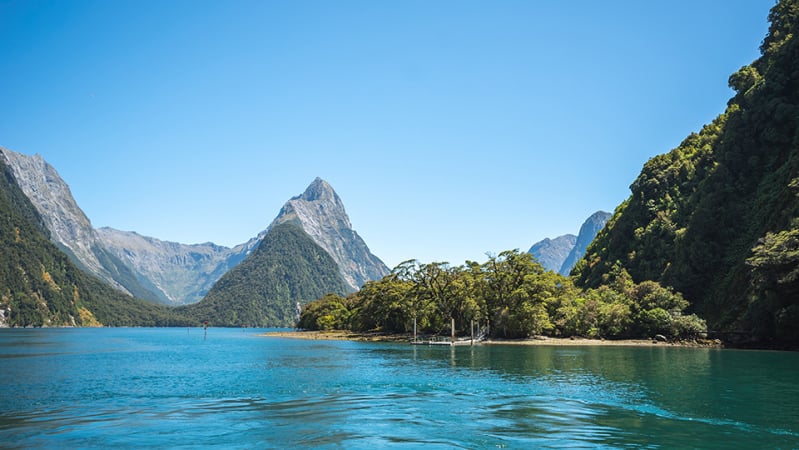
[103,388]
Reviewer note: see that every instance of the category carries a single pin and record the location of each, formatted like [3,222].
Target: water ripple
[172,390]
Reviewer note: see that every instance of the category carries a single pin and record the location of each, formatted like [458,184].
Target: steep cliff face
[181,273]
[552,252]
[320,213]
[41,287]
[67,224]
[562,253]
[588,231]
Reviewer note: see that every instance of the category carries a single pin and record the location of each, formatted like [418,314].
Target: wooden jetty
[451,341]
[446,341]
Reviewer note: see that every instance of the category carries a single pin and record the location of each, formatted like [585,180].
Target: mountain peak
[599,218]
[320,213]
[319,189]
[319,205]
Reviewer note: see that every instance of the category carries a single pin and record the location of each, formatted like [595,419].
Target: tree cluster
[510,295]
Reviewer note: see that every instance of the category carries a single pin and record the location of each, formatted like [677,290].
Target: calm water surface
[66,388]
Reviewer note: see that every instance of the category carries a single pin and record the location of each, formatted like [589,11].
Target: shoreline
[341,335]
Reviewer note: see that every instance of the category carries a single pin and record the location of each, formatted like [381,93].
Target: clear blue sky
[448,128]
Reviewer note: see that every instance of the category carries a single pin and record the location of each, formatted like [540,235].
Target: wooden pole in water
[414,328]
[453,330]
[472,330]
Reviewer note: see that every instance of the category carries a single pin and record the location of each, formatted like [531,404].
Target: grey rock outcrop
[320,213]
[552,252]
[181,273]
[588,231]
[562,253]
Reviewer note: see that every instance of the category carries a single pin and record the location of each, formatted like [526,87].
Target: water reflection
[636,390]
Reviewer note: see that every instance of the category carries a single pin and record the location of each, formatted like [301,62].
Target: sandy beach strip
[339,335]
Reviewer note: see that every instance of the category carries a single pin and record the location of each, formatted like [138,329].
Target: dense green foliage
[40,286]
[709,217]
[512,294]
[288,268]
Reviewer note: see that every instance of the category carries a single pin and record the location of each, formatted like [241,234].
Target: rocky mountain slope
[717,218]
[171,272]
[320,213]
[181,273]
[68,226]
[287,270]
[588,231]
[40,286]
[160,271]
[562,253]
[552,252]
[309,250]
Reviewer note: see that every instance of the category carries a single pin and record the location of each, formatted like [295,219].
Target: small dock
[451,340]
[443,340]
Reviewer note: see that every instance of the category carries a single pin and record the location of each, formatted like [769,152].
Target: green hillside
[717,218]
[263,290]
[40,286]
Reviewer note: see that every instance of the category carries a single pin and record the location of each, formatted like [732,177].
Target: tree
[775,265]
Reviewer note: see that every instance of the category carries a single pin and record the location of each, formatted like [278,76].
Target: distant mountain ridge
[181,273]
[588,231]
[562,253]
[552,252]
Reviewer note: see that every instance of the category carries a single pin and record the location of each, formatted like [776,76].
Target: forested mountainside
[40,286]
[68,227]
[286,270]
[147,268]
[717,218]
